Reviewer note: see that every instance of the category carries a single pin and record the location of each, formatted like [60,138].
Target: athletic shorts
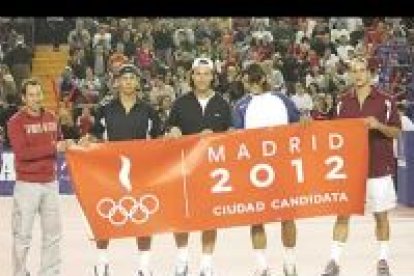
[380,195]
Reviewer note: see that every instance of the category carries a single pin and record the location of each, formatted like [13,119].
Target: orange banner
[241,177]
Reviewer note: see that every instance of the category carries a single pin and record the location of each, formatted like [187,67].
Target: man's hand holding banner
[242,177]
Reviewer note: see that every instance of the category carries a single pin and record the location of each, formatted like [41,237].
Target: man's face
[202,77]
[128,84]
[33,97]
[89,72]
[123,23]
[166,103]
[360,73]
[231,71]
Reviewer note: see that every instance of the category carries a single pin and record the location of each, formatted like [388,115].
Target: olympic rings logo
[128,208]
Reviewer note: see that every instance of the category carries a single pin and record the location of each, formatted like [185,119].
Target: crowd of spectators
[304,57]
[15,64]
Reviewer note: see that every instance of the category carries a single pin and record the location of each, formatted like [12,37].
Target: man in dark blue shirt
[125,117]
[201,111]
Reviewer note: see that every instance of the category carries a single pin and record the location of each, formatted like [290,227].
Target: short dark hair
[402,107]
[255,73]
[27,82]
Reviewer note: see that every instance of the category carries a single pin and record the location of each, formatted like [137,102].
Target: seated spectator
[329,59]
[69,130]
[19,60]
[320,108]
[277,79]
[302,99]
[159,89]
[55,27]
[99,61]
[183,35]
[313,89]
[117,59]
[231,85]
[169,78]
[102,38]
[85,121]
[7,84]
[67,86]
[1,53]
[117,30]
[182,81]
[343,48]
[184,54]
[311,75]
[79,38]
[129,44]
[78,63]
[342,79]
[165,106]
[261,34]
[145,56]
[90,87]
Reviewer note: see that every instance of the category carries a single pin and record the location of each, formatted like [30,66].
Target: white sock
[289,259]
[384,248]
[206,262]
[144,258]
[260,258]
[336,250]
[182,259]
[103,256]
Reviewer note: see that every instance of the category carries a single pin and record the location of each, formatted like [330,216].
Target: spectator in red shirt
[117,59]
[85,121]
[319,110]
[145,56]
[381,116]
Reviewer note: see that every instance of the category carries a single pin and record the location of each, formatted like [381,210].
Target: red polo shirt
[382,107]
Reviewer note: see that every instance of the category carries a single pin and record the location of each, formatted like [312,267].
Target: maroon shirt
[33,141]
[382,107]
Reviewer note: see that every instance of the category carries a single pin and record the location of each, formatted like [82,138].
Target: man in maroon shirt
[34,138]
[381,117]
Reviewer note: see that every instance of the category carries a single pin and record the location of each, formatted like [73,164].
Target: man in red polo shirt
[381,116]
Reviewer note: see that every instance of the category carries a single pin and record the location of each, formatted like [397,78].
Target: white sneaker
[143,272]
[287,273]
[181,272]
[101,270]
[264,272]
[207,272]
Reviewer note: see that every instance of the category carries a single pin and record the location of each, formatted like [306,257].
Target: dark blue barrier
[405,191]
[405,171]
[7,176]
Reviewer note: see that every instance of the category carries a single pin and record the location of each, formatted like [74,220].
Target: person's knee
[210,233]
[257,229]
[342,220]
[102,244]
[288,224]
[144,243]
[209,237]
